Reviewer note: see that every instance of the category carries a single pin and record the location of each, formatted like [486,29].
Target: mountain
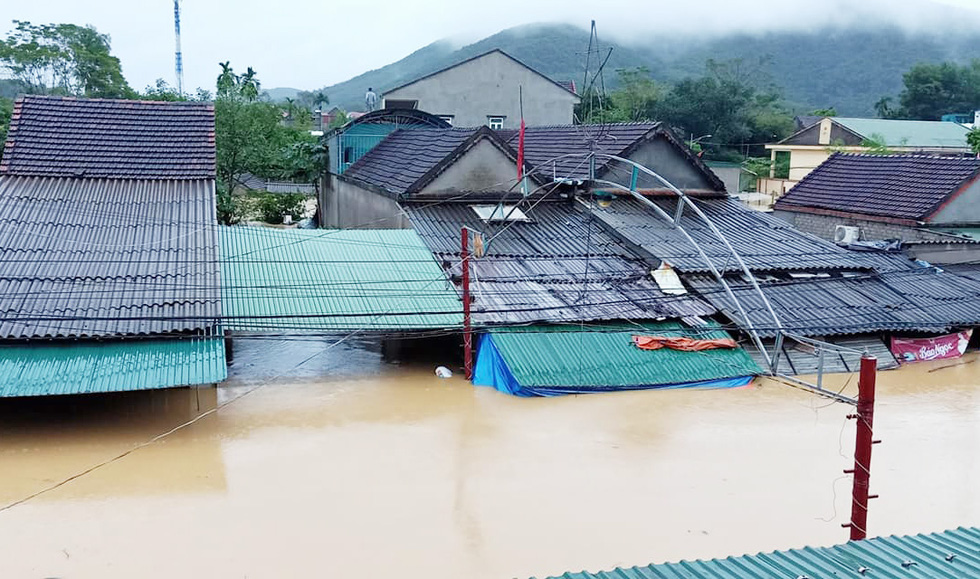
[281,93]
[846,68]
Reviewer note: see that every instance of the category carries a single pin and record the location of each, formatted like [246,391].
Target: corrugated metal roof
[914,300]
[953,554]
[111,366]
[795,361]
[891,186]
[764,242]
[107,257]
[72,137]
[603,356]
[559,266]
[901,133]
[325,280]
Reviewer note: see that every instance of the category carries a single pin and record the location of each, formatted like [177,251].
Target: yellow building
[806,149]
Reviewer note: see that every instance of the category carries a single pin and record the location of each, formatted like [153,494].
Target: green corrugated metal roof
[113,366]
[604,355]
[897,133]
[326,280]
[946,555]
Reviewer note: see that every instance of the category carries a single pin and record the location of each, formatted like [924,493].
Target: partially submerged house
[931,203]
[488,89]
[805,150]
[109,274]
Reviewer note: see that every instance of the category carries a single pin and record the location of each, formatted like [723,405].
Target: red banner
[922,349]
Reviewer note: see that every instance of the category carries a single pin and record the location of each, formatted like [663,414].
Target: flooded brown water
[387,471]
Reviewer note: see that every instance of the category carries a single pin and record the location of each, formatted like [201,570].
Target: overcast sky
[312,43]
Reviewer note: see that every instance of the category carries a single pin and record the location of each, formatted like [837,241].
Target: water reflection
[375,469]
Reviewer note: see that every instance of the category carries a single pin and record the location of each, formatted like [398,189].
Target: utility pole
[467,327]
[863,441]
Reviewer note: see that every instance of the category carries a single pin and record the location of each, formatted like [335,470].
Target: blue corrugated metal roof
[113,366]
[333,280]
[946,555]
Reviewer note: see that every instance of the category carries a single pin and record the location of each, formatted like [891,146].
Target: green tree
[973,138]
[637,98]
[828,112]
[932,90]
[6,109]
[63,59]
[256,137]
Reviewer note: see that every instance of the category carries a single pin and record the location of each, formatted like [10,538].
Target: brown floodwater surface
[380,470]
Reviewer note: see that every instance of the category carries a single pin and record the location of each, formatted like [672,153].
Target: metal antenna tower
[178,57]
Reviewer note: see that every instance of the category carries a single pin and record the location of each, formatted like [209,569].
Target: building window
[447,118]
[495,122]
[492,213]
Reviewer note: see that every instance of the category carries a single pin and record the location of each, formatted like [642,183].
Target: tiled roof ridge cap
[77,99]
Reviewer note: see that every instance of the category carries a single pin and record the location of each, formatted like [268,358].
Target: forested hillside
[846,69]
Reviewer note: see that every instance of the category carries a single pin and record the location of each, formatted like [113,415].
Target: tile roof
[560,266]
[764,242]
[916,134]
[94,138]
[596,358]
[326,280]
[403,162]
[891,186]
[110,366]
[952,554]
[107,257]
[559,151]
[919,300]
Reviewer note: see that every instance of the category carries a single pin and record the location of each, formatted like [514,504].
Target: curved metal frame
[684,200]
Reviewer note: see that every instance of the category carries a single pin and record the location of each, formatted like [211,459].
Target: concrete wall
[482,168]
[824,226]
[344,204]
[963,209]
[730,176]
[490,86]
[664,159]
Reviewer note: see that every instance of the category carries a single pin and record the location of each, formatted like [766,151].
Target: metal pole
[862,449]
[467,328]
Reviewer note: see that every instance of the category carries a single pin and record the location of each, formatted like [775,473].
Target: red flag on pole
[520,152]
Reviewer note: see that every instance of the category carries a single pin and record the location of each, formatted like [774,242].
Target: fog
[310,43]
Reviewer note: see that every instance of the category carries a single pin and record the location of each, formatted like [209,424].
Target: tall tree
[63,59]
[6,109]
[973,138]
[932,90]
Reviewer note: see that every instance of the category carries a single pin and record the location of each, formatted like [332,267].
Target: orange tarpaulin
[684,344]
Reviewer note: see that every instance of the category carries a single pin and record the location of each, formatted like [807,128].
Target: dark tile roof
[893,186]
[107,257]
[915,300]
[764,242]
[542,145]
[401,162]
[560,267]
[94,138]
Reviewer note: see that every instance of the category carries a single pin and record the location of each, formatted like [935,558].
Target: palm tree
[249,85]
[227,80]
